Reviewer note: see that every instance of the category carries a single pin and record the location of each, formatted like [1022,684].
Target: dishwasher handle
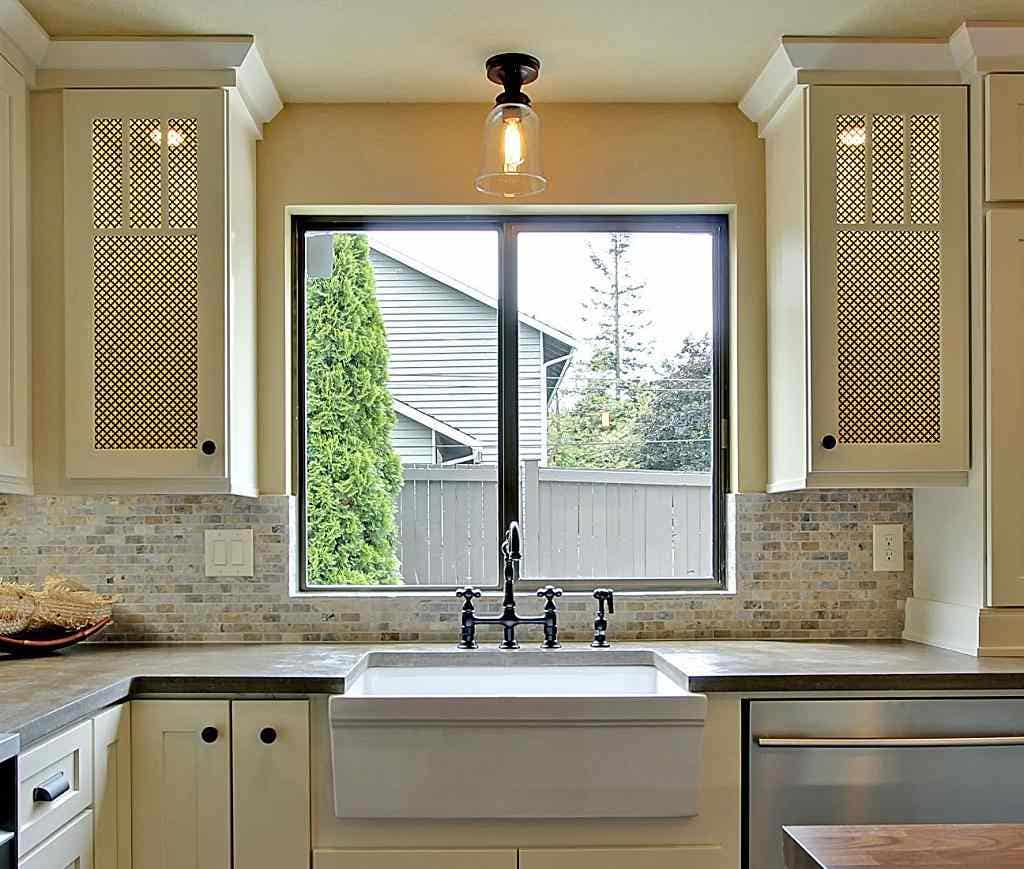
[886,741]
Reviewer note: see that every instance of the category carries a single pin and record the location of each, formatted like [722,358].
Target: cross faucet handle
[469,594]
[549,592]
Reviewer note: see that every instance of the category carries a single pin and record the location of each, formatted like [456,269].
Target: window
[455,375]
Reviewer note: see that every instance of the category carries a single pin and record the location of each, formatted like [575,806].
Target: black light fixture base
[512,70]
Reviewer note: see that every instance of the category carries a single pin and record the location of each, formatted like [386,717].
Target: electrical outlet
[887,543]
[229,553]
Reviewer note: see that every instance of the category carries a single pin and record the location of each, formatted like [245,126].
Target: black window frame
[508,228]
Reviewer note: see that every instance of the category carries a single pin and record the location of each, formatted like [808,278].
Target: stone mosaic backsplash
[802,563]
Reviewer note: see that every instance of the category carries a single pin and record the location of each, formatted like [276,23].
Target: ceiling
[591,50]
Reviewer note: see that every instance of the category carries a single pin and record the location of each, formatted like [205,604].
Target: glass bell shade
[511,160]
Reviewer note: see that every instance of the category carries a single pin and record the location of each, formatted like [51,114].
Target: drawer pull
[889,742]
[209,734]
[53,787]
[268,736]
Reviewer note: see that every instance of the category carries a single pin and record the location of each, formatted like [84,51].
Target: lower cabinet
[683,857]
[204,769]
[446,859]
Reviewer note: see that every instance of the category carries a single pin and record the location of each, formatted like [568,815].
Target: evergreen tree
[598,430]
[675,428]
[616,312]
[352,473]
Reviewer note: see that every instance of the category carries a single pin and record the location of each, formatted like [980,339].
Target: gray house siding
[413,441]
[444,361]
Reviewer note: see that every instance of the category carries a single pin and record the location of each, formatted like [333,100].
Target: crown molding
[803,60]
[23,42]
[47,62]
[979,47]
[164,61]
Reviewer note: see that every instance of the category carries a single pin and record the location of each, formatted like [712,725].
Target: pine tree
[616,312]
[352,472]
[599,429]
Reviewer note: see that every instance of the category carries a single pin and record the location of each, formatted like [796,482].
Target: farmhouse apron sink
[610,734]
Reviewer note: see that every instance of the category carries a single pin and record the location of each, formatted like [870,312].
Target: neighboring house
[443,369]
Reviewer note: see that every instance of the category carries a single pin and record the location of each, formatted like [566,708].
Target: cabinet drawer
[70,848]
[1004,138]
[63,766]
[418,859]
[685,857]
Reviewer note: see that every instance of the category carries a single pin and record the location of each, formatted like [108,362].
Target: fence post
[531,516]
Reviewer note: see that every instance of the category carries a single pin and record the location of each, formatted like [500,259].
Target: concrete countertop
[39,696]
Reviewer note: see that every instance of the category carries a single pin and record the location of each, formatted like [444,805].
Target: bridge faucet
[509,619]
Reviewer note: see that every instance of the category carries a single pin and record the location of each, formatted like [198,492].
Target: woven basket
[64,603]
[17,607]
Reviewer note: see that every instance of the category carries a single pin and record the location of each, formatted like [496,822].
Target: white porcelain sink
[622,680]
[516,735]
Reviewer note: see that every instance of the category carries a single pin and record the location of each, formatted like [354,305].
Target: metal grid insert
[145,173]
[107,172]
[146,342]
[851,137]
[888,174]
[182,173]
[925,169]
[889,336]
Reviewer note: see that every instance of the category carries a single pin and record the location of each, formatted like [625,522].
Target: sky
[555,276]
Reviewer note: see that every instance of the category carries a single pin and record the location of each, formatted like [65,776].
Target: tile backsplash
[802,563]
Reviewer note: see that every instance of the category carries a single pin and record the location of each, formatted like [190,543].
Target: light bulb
[512,144]
[853,137]
[174,137]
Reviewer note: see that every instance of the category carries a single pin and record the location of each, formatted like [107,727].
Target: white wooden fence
[576,523]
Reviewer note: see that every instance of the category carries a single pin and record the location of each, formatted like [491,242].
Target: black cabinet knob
[208,448]
[209,734]
[829,442]
[268,736]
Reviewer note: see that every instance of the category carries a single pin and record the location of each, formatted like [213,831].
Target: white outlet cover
[887,547]
[229,553]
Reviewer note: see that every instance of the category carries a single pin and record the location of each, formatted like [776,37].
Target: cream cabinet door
[15,387]
[889,268]
[112,788]
[1005,265]
[453,859]
[181,784]
[683,857]
[1004,137]
[145,288]
[270,783]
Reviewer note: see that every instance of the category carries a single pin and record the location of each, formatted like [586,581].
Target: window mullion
[508,380]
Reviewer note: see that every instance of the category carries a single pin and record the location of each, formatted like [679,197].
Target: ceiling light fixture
[511,164]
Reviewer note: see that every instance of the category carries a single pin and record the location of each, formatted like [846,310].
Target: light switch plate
[887,545]
[229,553]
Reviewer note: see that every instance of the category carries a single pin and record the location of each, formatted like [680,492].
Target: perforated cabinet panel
[107,163]
[925,169]
[146,342]
[145,173]
[889,337]
[182,173]
[851,196]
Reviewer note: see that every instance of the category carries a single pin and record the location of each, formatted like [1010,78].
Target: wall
[651,155]
[802,560]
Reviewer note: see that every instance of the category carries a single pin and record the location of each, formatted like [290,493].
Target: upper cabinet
[159,291]
[868,287]
[1004,137]
[15,387]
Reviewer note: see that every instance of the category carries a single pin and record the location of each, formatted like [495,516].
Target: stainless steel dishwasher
[879,762]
